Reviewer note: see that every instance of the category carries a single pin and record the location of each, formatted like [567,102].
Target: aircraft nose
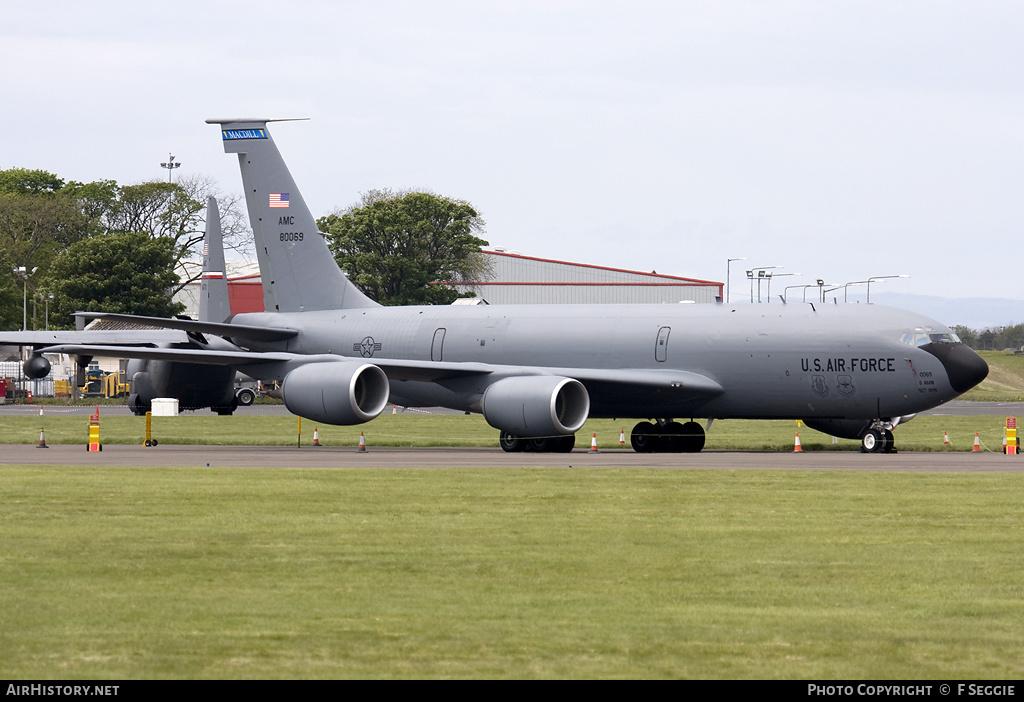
[964,367]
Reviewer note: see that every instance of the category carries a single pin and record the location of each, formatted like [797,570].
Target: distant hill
[1005,381]
[973,312]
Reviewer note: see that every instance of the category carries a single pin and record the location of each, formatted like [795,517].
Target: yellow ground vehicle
[115,384]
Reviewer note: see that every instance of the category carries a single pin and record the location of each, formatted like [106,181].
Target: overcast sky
[841,140]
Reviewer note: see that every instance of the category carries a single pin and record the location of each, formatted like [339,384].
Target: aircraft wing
[690,383]
[395,369]
[182,355]
[121,337]
[237,331]
[677,382]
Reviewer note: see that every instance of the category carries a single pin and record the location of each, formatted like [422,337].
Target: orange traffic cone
[796,446]
[316,437]
[42,440]
[945,439]
[362,443]
[977,444]
[622,438]
[593,443]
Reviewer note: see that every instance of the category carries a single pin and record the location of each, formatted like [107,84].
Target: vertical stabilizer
[214,305]
[298,271]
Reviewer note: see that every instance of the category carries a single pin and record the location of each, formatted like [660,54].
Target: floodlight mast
[170,165]
[728,262]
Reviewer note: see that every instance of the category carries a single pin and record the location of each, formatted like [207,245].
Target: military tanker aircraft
[537,372]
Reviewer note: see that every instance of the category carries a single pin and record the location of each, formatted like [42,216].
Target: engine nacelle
[36,367]
[536,405]
[336,392]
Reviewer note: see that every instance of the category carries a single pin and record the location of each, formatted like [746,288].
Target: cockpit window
[922,337]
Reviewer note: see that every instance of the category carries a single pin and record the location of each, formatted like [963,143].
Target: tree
[967,335]
[34,226]
[41,216]
[129,273]
[176,211]
[394,245]
[23,181]
[10,301]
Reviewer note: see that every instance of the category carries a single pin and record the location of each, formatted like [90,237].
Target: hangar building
[513,279]
[518,279]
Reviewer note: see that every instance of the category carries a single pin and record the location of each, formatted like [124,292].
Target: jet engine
[36,367]
[337,392]
[536,405]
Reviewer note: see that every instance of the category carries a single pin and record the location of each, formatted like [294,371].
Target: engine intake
[536,405]
[336,393]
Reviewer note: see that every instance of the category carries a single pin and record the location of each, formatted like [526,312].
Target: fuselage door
[661,346]
[437,347]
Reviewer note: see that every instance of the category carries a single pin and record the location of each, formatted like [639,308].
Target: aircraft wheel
[672,438]
[693,437]
[645,438]
[872,442]
[511,443]
[564,444]
[539,444]
[888,442]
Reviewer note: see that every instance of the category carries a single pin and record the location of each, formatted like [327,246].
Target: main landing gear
[667,437]
[877,439]
[663,436]
[513,443]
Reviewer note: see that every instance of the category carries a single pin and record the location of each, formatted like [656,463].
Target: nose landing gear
[877,439]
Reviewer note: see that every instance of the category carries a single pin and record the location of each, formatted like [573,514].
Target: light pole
[881,277]
[821,289]
[47,299]
[760,276]
[845,287]
[170,166]
[728,262]
[778,275]
[785,293]
[23,273]
[855,283]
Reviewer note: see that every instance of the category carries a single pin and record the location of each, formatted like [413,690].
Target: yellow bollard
[150,441]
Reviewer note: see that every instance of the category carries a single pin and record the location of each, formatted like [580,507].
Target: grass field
[144,573]
[257,573]
[924,433]
[1005,381]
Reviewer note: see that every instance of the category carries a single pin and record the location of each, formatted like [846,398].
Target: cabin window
[922,337]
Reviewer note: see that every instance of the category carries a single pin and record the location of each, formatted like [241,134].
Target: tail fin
[213,299]
[298,271]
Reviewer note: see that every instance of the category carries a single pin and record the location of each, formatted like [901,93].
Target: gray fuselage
[772,361]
